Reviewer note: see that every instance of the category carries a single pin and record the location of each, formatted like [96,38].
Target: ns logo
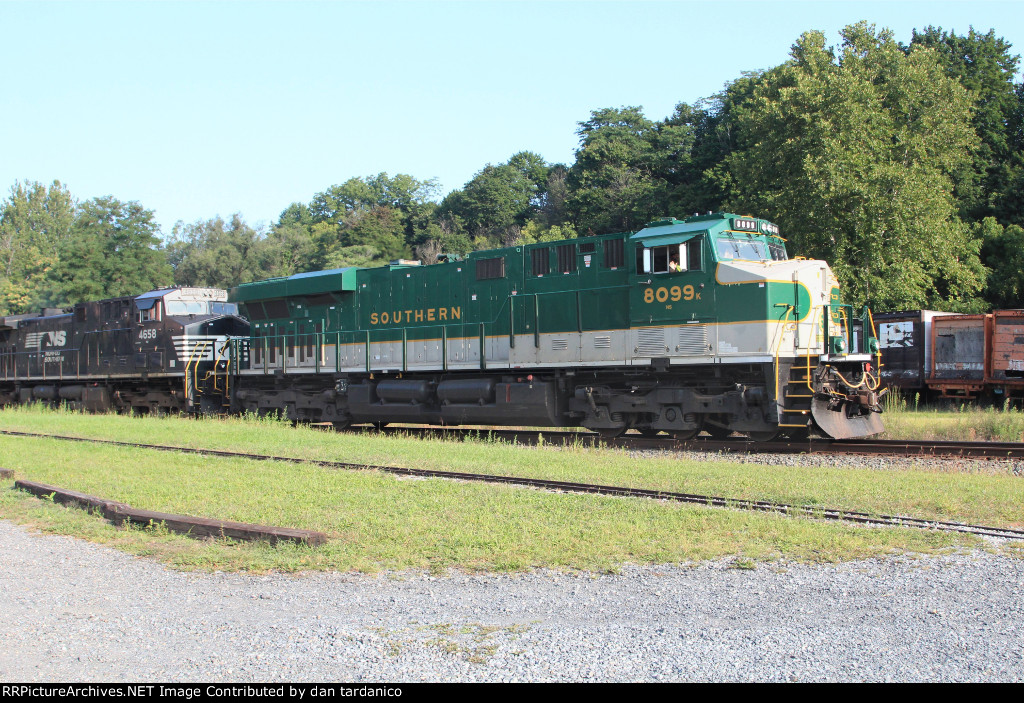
[53,339]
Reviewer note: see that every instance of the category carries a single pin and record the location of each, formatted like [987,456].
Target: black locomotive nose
[229,325]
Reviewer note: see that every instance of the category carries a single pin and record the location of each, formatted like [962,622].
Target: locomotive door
[306,343]
[319,347]
[602,305]
[474,331]
[487,324]
[672,301]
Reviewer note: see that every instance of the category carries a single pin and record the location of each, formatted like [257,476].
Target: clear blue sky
[201,109]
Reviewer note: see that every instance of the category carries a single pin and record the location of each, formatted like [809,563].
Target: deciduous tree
[852,152]
[499,200]
[114,249]
[985,66]
[35,225]
[219,254]
[617,182]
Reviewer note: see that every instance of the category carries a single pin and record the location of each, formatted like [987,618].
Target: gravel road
[75,611]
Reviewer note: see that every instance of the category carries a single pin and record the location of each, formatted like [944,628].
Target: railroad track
[810,511]
[739,445]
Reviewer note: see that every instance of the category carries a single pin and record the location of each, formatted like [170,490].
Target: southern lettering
[410,317]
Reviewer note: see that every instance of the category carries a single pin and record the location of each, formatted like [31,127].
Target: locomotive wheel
[684,435]
[716,432]
[649,432]
[766,436]
[341,424]
[611,432]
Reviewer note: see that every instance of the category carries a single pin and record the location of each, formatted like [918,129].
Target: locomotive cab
[186,331]
[721,289]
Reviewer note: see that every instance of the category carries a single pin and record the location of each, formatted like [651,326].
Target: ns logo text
[35,340]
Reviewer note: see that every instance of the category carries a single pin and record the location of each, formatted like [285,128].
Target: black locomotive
[162,351]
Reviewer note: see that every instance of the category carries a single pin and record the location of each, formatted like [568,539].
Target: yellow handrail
[816,317]
[196,350]
[227,368]
[778,345]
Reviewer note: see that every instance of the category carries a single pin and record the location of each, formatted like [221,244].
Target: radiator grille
[693,339]
[603,342]
[650,341]
[559,344]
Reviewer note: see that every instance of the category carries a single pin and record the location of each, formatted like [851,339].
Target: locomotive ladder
[794,399]
[224,389]
[192,387]
[798,393]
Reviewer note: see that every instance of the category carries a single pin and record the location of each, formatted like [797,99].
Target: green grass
[905,418]
[378,521]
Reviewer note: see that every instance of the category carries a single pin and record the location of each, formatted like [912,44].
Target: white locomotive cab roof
[187,294]
[742,271]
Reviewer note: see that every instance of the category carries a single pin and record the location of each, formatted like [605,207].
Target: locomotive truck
[683,326]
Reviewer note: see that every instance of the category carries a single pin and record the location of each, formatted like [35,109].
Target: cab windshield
[749,248]
[200,307]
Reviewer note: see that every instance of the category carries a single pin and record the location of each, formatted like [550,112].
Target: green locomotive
[686,325]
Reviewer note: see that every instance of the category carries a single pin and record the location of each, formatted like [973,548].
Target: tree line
[902,165]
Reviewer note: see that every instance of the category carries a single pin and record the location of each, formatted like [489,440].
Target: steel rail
[571,487]
[739,445]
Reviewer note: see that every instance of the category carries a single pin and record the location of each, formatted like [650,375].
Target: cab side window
[673,258]
[150,314]
[694,260]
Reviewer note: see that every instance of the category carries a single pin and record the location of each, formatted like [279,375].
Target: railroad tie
[120,513]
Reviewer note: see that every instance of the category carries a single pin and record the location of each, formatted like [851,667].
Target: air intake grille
[614,253]
[490,268]
[566,258]
[693,339]
[650,341]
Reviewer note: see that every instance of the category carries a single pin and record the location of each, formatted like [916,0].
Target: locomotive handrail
[231,349]
[874,333]
[195,352]
[868,381]
[846,325]
[217,353]
[284,342]
[807,356]
[227,369]
[778,343]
